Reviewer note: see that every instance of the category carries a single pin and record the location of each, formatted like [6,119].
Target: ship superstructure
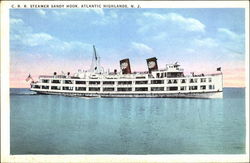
[167,82]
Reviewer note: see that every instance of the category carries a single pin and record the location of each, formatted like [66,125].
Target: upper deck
[160,74]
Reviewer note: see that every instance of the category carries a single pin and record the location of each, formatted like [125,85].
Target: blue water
[49,124]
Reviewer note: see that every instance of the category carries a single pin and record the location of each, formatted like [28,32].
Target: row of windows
[169,74]
[182,88]
[172,81]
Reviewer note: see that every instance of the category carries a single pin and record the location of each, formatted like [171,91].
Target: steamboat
[169,82]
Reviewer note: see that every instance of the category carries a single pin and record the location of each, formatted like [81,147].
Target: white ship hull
[209,86]
[215,94]
[165,83]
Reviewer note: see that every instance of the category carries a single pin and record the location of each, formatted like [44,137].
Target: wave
[24,93]
[21,91]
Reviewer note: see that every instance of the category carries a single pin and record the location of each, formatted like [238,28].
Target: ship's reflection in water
[45,124]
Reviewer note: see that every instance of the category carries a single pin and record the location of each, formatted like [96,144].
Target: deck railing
[128,77]
[58,76]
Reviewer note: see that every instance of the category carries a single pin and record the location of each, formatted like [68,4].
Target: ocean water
[50,124]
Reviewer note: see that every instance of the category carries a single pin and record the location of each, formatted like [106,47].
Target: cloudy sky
[48,40]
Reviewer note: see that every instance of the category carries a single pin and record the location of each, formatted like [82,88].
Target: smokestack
[125,66]
[152,64]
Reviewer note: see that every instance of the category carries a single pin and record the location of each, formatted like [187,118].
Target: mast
[95,65]
[95,52]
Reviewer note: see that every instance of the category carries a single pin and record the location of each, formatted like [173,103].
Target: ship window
[109,89]
[165,74]
[141,82]
[80,88]
[211,86]
[172,88]
[80,82]
[94,89]
[61,76]
[157,81]
[141,89]
[162,75]
[158,75]
[108,82]
[45,87]
[94,82]
[124,89]
[45,81]
[140,77]
[68,88]
[124,82]
[55,88]
[74,77]
[202,87]
[183,88]
[68,82]
[157,88]
[174,74]
[193,81]
[55,81]
[193,87]
[209,79]
[203,80]
[172,81]
[183,81]
[37,86]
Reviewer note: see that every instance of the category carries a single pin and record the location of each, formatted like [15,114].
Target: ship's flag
[28,78]
[219,69]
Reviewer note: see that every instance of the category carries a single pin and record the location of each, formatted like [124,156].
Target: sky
[43,41]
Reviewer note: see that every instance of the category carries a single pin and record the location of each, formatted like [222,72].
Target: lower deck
[211,94]
[207,86]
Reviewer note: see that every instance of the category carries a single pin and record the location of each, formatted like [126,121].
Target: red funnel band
[152,64]
[125,66]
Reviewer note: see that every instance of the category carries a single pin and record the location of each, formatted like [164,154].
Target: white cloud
[160,36]
[188,24]
[113,14]
[189,50]
[59,12]
[98,11]
[142,48]
[229,34]
[206,42]
[108,18]
[18,29]
[231,41]
[35,39]
[24,36]
[41,12]
[69,45]
[155,15]
[235,55]
[14,21]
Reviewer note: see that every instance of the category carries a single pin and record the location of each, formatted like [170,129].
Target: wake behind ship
[168,82]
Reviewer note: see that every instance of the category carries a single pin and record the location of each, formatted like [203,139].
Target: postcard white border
[5,110]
